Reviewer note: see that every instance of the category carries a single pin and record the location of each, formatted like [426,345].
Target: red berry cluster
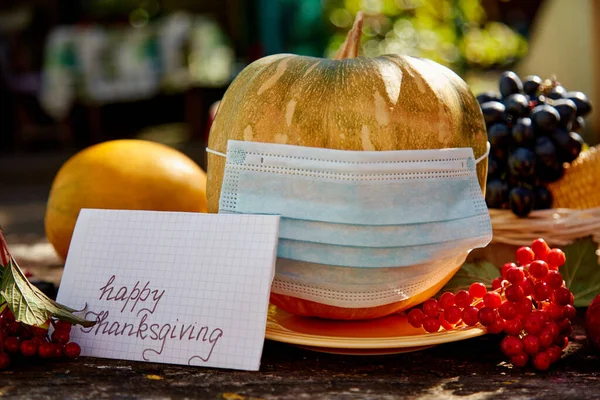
[529,303]
[21,340]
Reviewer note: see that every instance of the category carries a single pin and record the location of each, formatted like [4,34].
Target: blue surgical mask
[360,209]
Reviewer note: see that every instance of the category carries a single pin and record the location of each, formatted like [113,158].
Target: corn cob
[579,188]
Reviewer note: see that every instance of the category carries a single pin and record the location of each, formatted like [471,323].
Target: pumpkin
[391,102]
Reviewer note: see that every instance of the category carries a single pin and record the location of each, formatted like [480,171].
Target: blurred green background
[77,72]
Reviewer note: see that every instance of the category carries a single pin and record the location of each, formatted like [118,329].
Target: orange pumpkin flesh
[392,102]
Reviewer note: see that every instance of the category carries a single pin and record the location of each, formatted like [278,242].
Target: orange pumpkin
[392,102]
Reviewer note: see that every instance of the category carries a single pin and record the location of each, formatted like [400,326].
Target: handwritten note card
[180,288]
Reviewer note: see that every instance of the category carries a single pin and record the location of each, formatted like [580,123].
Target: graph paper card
[170,287]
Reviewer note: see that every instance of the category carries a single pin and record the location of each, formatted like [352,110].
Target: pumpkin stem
[349,48]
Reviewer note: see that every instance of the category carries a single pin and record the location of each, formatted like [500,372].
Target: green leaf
[484,272]
[581,272]
[30,305]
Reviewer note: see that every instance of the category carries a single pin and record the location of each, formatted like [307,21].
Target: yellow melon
[122,174]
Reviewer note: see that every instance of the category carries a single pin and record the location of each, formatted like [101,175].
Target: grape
[519,360]
[531,84]
[556,257]
[557,92]
[578,125]
[542,198]
[521,163]
[531,344]
[545,118]
[581,101]
[509,83]
[522,133]
[516,105]
[569,144]
[550,174]
[542,361]
[487,316]
[567,110]
[493,111]
[488,96]
[520,201]
[545,151]
[499,137]
[496,194]
[495,168]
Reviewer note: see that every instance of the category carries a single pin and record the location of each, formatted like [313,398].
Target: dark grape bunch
[533,127]
[529,304]
[20,340]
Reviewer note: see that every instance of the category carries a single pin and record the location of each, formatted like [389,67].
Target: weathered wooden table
[471,369]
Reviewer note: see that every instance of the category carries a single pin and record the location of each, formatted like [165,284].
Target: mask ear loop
[487,153]
[218,153]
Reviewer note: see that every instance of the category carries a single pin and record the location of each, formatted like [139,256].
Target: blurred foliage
[455,33]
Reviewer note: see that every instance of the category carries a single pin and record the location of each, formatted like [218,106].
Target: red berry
[508,310]
[505,268]
[446,300]
[61,337]
[554,352]
[453,315]
[28,348]
[561,341]
[519,360]
[569,311]
[533,323]
[554,279]
[531,344]
[4,361]
[487,316]
[515,275]
[497,326]
[514,293]
[477,290]
[546,338]
[513,326]
[496,283]
[511,345]
[415,317]
[492,300]
[524,306]
[72,349]
[430,324]
[445,324]
[525,255]
[540,249]
[12,344]
[431,307]
[556,257]
[561,296]
[469,315]
[542,361]
[62,326]
[538,269]
[46,350]
[462,299]
[527,286]
[565,327]
[541,291]
[58,351]
[553,328]
[555,311]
